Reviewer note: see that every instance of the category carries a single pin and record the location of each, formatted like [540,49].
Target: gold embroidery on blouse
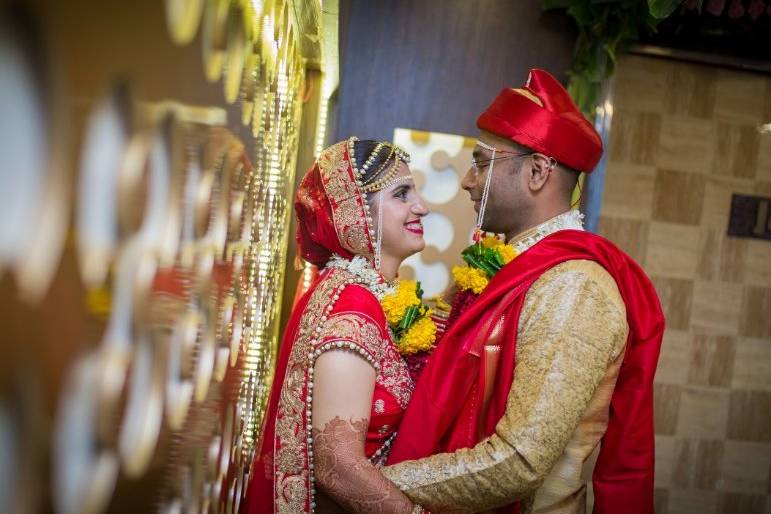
[353,328]
[293,487]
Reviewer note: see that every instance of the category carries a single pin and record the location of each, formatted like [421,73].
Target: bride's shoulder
[355,297]
[349,296]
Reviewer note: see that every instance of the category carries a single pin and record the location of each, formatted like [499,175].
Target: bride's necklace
[408,318]
[366,275]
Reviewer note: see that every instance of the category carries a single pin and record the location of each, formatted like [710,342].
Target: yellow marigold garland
[409,319]
[467,277]
[396,304]
[483,260]
[419,337]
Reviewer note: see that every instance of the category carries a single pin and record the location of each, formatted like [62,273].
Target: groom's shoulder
[578,277]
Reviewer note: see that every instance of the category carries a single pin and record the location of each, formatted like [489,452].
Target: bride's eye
[401,192]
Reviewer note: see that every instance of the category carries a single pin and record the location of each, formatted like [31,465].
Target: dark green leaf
[409,316]
[582,13]
[471,260]
[662,8]
[556,4]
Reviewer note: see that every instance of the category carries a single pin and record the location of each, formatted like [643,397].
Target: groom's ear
[538,171]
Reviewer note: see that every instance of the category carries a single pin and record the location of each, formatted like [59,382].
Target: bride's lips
[416,227]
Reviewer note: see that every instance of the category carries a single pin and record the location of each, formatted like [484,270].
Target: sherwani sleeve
[572,325]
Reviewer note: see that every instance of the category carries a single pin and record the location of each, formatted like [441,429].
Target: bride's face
[403,209]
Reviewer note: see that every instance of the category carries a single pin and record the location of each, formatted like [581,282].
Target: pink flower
[715,7]
[756,9]
[736,10]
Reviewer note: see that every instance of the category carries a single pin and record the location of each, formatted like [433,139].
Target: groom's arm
[572,325]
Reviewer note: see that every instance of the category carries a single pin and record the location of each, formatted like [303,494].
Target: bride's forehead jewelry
[394,152]
[398,180]
[380,168]
[380,183]
[371,159]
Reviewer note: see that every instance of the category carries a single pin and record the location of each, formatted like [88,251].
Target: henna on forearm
[344,473]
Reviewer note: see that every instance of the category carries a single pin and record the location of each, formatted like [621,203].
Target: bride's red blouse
[355,323]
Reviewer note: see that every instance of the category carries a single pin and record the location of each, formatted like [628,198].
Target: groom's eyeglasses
[479,165]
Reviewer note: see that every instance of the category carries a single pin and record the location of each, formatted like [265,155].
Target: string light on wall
[189,251]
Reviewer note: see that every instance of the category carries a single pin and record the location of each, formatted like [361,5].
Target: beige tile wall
[684,138]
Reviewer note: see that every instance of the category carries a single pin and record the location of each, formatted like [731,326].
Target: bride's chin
[415,248]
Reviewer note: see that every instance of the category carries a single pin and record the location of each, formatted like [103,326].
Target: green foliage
[662,8]
[605,29]
[487,259]
[411,315]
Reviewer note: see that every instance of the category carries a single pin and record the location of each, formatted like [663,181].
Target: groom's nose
[469,180]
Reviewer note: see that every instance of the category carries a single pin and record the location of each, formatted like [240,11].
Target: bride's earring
[379,242]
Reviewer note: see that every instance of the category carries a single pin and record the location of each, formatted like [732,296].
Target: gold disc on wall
[183,17]
[214,38]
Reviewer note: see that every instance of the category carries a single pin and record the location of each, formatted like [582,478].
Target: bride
[341,384]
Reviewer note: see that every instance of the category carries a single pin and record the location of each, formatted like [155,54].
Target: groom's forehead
[480,151]
[485,141]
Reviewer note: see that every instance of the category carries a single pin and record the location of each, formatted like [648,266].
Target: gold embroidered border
[348,203]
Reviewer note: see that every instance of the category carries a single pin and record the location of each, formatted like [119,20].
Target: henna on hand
[342,470]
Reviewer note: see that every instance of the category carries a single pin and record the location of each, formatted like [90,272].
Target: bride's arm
[343,384]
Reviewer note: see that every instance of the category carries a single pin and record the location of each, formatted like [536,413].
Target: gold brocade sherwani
[570,343]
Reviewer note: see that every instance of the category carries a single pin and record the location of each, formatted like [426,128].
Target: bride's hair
[378,163]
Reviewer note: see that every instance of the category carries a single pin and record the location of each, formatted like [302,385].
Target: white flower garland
[364,272]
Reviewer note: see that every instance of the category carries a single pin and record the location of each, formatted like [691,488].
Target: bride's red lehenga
[338,312]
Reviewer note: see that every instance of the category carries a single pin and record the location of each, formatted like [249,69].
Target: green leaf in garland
[409,317]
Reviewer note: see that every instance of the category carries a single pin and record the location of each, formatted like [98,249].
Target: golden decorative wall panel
[142,247]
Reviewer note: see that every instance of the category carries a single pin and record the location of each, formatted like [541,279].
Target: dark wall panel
[436,64]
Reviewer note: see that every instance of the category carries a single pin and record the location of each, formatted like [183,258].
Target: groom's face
[507,200]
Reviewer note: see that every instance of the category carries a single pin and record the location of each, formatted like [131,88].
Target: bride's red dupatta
[332,219]
[445,413]
[260,494]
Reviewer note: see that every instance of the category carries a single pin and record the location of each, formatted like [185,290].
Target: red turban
[542,116]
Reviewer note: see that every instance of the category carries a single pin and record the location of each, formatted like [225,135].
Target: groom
[557,355]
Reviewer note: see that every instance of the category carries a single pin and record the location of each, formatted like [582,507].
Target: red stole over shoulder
[445,412]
